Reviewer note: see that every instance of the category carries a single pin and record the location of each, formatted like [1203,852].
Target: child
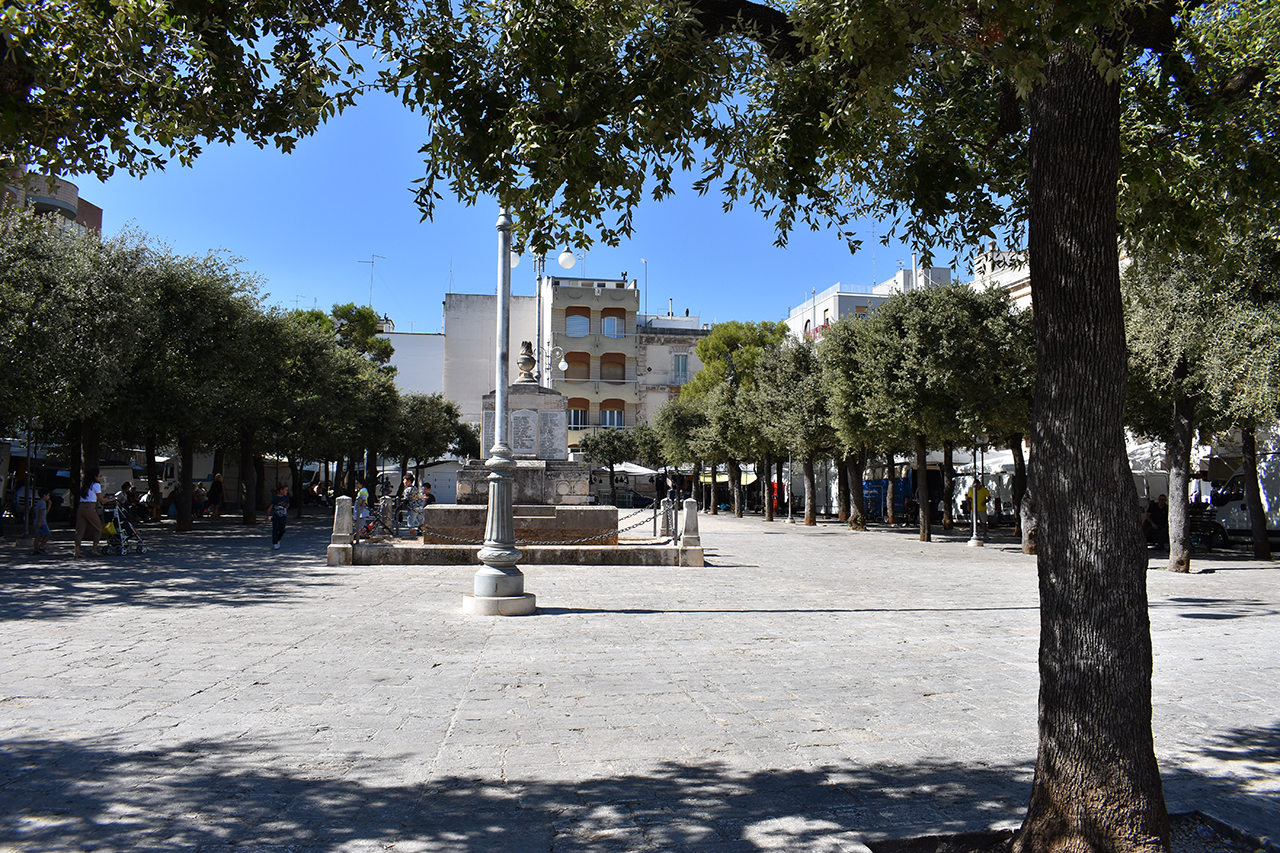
[279,514]
[362,500]
[41,524]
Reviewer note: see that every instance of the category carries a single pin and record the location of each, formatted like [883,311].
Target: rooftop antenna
[371,262]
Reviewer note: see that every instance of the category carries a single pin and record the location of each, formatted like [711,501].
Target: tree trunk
[734,473]
[810,492]
[842,487]
[715,492]
[1253,492]
[153,476]
[766,488]
[1028,521]
[248,479]
[891,489]
[922,488]
[261,498]
[186,484]
[948,486]
[1096,784]
[295,477]
[857,464]
[90,446]
[371,475]
[1179,454]
[1019,487]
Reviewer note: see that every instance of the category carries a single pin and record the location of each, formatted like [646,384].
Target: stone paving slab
[810,689]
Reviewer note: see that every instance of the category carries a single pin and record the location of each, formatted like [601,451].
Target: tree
[564,111]
[426,427]
[676,423]
[790,380]
[610,447]
[357,329]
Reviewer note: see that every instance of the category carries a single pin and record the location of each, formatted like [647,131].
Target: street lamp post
[980,441]
[498,588]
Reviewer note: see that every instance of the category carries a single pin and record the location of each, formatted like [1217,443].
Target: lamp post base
[505,605]
[974,543]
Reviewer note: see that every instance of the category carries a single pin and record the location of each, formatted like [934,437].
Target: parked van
[1233,512]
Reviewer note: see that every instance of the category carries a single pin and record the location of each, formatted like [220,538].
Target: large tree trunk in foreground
[1253,492]
[1179,453]
[1096,785]
[922,488]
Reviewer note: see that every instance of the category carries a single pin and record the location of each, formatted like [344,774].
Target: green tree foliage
[610,447]
[426,427]
[676,423]
[357,329]
[92,87]
[1203,331]
[789,378]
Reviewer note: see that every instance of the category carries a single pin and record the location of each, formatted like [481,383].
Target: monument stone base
[547,482]
[505,605]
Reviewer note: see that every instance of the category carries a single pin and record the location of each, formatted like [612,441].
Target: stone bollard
[343,527]
[690,541]
[667,510]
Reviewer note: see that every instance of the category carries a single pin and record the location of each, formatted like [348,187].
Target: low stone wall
[457,524]
[386,554]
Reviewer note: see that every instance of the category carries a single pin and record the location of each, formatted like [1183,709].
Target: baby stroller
[121,533]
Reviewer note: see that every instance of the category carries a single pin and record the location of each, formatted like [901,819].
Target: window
[679,370]
[826,317]
[579,410]
[614,321]
[579,365]
[577,321]
[613,367]
[808,327]
[611,414]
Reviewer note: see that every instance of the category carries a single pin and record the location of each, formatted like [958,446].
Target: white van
[1233,512]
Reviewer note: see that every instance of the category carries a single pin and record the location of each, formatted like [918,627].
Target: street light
[980,441]
[566,259]
[498,588]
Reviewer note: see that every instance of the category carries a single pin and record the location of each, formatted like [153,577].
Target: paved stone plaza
[808,690]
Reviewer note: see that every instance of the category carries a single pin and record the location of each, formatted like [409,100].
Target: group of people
[414,500]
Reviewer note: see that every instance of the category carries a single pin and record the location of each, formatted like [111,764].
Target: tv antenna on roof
[371,262]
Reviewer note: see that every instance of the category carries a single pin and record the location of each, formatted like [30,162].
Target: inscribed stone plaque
[553,435]
[486,435]
[524,432]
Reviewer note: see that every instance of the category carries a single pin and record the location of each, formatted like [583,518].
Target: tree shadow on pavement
[1238,782]
[224,566]
[221,795]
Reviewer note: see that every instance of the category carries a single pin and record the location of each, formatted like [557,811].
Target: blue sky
[305,221]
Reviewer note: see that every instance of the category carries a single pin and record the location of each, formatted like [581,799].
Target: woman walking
[87,512]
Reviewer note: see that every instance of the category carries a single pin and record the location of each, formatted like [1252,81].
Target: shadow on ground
[218,565]
[207,795]
[214,795]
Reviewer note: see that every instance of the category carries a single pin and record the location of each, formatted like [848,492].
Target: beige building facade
[667,359]
[589,327]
